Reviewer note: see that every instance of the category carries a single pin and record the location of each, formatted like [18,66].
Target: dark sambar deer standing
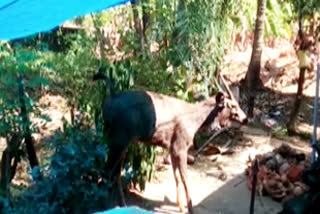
[164,121]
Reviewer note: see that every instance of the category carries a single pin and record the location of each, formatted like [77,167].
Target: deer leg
[117,152]
[180,143]
[174,162]
[182,166]
[120,189]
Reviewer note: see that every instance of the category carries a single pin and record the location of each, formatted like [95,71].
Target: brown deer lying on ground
[164,121]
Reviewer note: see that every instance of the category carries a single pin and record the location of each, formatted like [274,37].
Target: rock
[285,150]
[271,164]
[284,167]
[275,189]
[279,159]
[284,178]
[302,185]
[300,157]
[294,173]
[268,156]
[297,191]
[190,159]
[270,122]
[223,176]
[214,158]
[211,150]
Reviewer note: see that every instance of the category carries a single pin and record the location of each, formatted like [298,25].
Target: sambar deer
[164,121]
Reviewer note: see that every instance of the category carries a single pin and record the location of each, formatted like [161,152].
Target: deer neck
[170,110]
[198,116]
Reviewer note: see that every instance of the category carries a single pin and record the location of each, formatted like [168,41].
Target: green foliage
[73,180]
[121,74]
[139,165]
[5,206]
[242,13]
[241,17]
[72,71]
[279,18]
[18,62]
[305,7]
[279,132]
[186,42]
[196,49]
[17,101]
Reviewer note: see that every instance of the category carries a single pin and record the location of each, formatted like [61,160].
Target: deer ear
[219,98]
[236,92]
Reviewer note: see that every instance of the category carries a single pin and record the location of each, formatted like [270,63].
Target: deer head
[232,114]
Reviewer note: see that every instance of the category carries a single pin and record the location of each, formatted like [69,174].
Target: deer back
[131,113]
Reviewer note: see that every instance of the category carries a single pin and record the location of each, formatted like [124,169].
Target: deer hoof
[181,209]
[190,159]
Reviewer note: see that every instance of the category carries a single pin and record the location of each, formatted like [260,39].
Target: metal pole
[315,118]
[255,170]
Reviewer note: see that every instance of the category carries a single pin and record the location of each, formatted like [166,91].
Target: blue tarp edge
[21,18]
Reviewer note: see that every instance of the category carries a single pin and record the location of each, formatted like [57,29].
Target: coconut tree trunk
[252,80]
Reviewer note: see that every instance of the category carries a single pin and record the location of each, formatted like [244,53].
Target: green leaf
[38,81]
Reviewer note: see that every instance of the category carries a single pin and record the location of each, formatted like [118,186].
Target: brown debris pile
[279,173]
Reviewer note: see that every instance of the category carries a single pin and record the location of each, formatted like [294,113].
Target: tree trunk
[252,80]
[26,125]
[11,156]
[145,19]
[72,109]
[304,65]
[297,102]
[5,172]
[138,25]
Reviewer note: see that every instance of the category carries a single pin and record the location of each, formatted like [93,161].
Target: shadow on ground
[231,198]
[268,99]
[234,198]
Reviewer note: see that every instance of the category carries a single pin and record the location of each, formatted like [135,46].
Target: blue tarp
[21,18]
[126,210]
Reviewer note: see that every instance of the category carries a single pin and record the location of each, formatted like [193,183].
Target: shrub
[73,181]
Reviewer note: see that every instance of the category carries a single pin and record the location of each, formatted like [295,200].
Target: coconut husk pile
[279,173]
